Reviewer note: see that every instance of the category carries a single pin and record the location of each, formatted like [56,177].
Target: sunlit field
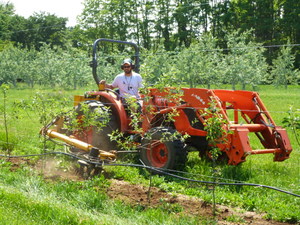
[22,190]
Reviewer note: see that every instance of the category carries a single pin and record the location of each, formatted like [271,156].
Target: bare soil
[138,195]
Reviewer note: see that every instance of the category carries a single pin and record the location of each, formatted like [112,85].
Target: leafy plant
[283,72]
[214,125]
[244,64]
[293,121]
[7,145]
[84,117]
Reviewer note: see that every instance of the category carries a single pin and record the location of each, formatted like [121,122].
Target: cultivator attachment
[93,151]
[92,158]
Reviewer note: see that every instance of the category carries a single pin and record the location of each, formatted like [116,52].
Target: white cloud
[61,8]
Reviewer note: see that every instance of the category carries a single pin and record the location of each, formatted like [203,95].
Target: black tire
[168,154]
[100,137]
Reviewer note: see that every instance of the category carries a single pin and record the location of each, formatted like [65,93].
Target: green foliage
[174,24]
[293,121]
[47,105]
[134,109]
[208,66]
[283,72]
[6,14]
[235,219]
[203,63]
[85,117]
[245,63]
[200,63]
[6,146]
[215,126]
[48,67]
[156,65]
[44,28]
[166,24]
[39,28]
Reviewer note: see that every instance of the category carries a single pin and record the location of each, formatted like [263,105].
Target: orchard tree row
[202,64]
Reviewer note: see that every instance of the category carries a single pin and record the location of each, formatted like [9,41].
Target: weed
[170,207]
[235,219]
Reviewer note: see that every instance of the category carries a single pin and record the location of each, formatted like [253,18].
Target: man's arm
[110,86]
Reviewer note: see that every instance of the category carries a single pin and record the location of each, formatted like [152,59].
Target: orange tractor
[159,138]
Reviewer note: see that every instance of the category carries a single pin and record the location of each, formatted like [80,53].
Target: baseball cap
[127,61]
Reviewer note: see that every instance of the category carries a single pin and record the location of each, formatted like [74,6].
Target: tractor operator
[128,82]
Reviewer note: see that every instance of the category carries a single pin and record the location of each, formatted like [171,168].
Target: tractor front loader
[169,114]
[243,113]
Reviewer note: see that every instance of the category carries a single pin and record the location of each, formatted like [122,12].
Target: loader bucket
[251,116]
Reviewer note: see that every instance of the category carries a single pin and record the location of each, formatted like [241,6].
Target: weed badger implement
[243,113]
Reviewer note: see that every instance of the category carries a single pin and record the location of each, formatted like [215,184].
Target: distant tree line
[174,23]
[32,32]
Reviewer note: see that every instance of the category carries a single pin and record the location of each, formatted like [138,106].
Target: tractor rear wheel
[159,149]
[98,137]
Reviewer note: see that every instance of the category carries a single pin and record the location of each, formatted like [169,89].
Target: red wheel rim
[85,135]
[157,154]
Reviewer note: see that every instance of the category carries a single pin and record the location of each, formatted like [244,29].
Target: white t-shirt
[128,85]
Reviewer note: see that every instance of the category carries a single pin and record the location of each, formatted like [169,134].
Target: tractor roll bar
[94,60]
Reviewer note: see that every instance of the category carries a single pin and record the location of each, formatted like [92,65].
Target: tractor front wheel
[160,148]
[98,137]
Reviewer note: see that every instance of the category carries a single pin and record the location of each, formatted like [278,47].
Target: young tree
[200,63]
[283,72]
[10,65]
[244,62]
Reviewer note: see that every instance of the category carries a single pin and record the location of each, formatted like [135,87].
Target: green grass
[25,198]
